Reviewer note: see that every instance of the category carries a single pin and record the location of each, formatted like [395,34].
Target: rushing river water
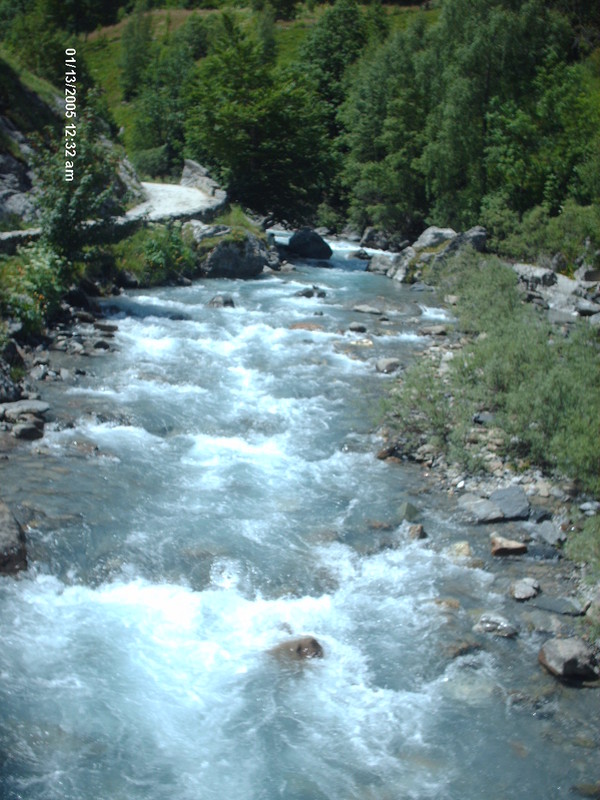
[216,493]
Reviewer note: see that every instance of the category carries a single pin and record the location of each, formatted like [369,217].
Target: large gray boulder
[308,244]
[433,236]
[569,659]
[13,552]
[479,509]
[236,258]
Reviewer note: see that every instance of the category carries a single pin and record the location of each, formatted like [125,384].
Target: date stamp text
[70,112]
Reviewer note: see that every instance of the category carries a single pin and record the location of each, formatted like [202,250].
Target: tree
[136,51]
[261,129]
[67,207]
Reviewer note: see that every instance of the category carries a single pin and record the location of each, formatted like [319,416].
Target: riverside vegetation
[384,116]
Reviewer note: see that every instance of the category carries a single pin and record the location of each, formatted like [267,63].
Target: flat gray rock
[559,605]
[512,502]
[366,309]
[479,509]
[525,589]
[549,533]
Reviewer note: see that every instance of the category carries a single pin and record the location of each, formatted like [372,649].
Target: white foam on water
[433,312]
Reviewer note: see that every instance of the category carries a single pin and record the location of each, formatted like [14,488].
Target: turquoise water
[214,492]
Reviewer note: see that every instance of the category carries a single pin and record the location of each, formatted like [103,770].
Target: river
[208,490]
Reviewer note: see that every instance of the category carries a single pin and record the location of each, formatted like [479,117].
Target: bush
[574,232]
[152,162]
[32,283]
[166,254]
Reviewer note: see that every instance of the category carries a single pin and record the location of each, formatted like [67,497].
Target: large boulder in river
[236,257]
[13,553]
[308,244]
[306,647]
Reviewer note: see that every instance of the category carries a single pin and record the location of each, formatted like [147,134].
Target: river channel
[208,489]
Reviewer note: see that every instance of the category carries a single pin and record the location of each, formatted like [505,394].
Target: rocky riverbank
[525,515]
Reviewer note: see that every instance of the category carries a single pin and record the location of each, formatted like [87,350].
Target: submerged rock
[306,647]
[222,301]
[496,625]
[569,659]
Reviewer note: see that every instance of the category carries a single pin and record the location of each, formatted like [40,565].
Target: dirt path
[171,201]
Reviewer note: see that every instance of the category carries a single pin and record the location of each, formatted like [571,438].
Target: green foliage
[332,46]
[260,128]
[543,387]
[483,109]
[166,254]
[583,547]
[158,131]
[574,232]
[136,51]
[66,207]
[156,254]
[31,285]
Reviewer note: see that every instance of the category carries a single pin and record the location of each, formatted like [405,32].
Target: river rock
[417,532]
[568,659]
[308,244]
[236,258]
[366,309]
[13,553]
[201,230]
[407,511]
[506,547]
[380,264]
[549,533]
[559,605]
[496,625]
[479,509]
[357,327]
[512,502]
[533,277]
[433,330]
[301,649]
[387,365]
[15,411]
[28,431]
[525,589]
[222,301]
[306,326]
[432,237]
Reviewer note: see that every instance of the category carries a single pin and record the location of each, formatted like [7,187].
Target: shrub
[32,284]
